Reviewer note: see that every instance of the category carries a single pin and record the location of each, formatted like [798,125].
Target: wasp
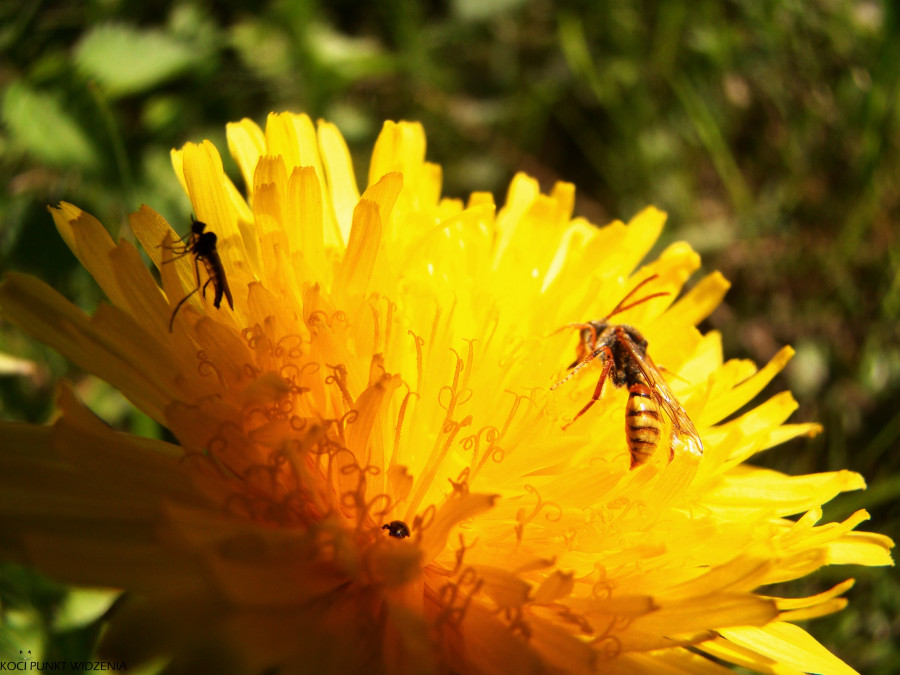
[202,245]
[397,528]
[623,352]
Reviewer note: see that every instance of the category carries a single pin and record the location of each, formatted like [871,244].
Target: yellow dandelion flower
[374,471]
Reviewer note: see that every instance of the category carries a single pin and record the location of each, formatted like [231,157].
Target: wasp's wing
[227,292]
[687,436]
[222,286]
[216,273]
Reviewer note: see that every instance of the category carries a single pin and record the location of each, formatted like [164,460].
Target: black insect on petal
[202,245]
[397,528]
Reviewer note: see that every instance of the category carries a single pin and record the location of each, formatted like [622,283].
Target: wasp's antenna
[580,326]
[621,307]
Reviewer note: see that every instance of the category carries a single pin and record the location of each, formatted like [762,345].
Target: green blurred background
[768,131]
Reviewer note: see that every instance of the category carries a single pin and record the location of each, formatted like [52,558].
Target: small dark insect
[623,351]
[397,528]
[202,245]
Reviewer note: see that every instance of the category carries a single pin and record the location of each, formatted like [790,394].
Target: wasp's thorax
[599,334]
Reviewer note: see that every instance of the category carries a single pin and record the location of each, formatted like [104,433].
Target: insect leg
[182,249]
[587,345]
[203,292]
[182,252]
[182,238]
[185,298]
[580,364]
[607,366]
[178,306]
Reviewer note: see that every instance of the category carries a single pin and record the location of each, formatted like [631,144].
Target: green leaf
[347,56]
[82,606]
[38,122]
[125,60]
[476,10]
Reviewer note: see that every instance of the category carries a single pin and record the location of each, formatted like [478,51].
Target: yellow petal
[400,147]
[246,143]
[91,244]
[355,270]
[861,548]
[216,201]
[450,513]
[701,300]
[556,586]
[121,357]
[494,648]
[783,495]
[788,644]
[746,658]
[730,401]
[338,167]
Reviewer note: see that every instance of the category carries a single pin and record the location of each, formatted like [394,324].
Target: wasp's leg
[178,306]
[590,357]
[598,390]
[181,253]
[203,292]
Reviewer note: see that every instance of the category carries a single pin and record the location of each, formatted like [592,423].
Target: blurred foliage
[769,131]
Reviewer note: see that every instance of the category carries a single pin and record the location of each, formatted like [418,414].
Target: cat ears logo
[25,656]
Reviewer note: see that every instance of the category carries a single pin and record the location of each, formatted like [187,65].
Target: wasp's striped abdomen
[642,423]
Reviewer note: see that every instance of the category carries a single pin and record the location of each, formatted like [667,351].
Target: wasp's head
[197,226]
